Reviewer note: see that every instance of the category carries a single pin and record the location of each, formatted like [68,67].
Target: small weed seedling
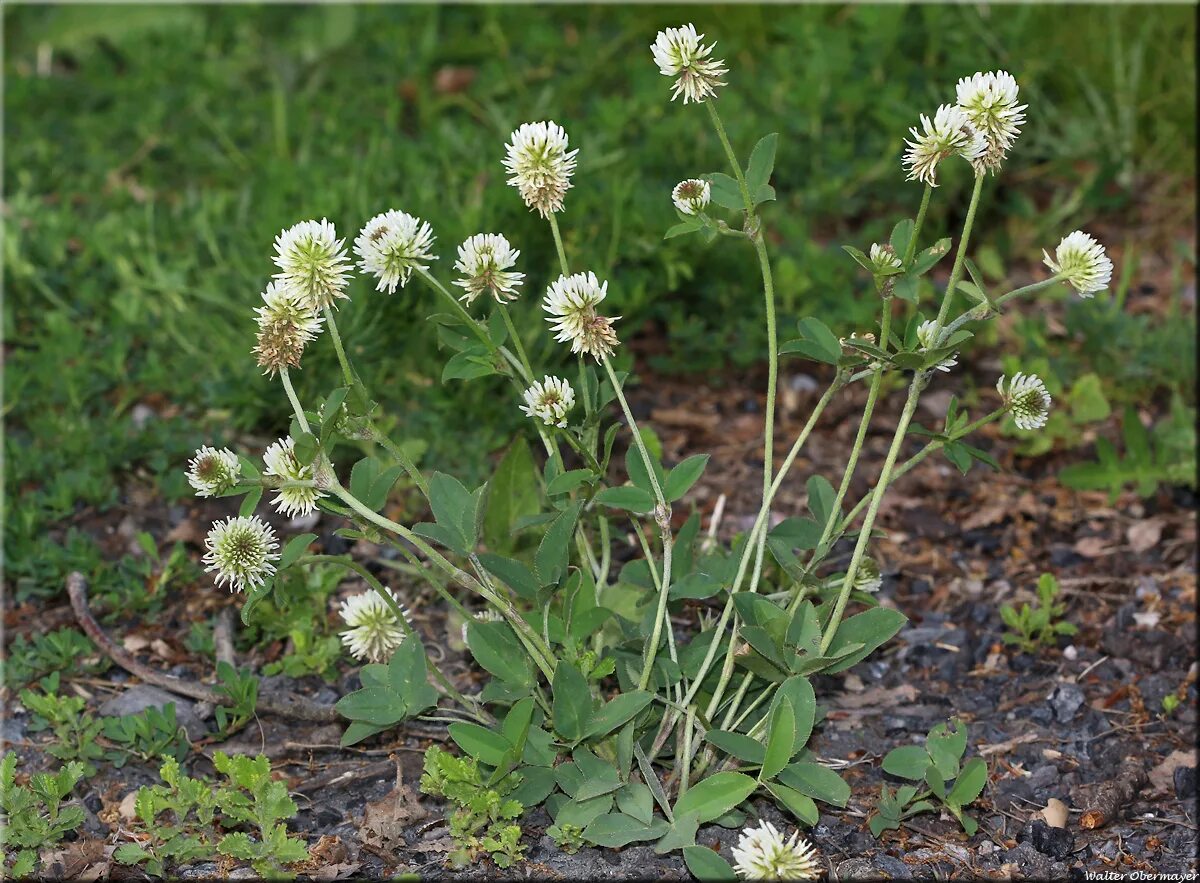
[33,816]
[65,651]
[938,766]
[73,727]
[1032,628]
[147,735]
[242,689]
[196,811]
[482,821]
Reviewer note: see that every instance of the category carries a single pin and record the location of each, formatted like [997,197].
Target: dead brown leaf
[81,860]
[385,821]
[877,697]
[1144,535]
[1162,777]
[1094,547]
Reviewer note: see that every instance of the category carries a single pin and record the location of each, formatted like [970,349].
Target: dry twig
[288,704]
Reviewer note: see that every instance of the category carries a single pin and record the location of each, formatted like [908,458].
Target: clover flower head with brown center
[212,471]
[949,133]
[549,400]
[393,244]
[286,325]
[691,196]
[571,302]
[540,165]
[484,260]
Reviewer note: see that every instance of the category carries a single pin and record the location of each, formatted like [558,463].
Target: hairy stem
[347,373]
[558,244]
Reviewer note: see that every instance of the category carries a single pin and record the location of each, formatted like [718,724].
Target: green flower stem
[864,536]
[910,407]
[737,699]
[912,242]
[960,256]
[662,516]
[537,648]
[471,705]
[759,525]
[764,264]
[689,725]
[416,569]
[588,457]
[645,544]
[291,394]
[406,463]
[711,104]
[459,575]
[474,324]
[823,543]
[907,465]
[558,244]
[983,311]
[516,339]
[872,501]
[757,540]
[347,373]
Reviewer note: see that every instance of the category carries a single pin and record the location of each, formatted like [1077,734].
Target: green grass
[148,173]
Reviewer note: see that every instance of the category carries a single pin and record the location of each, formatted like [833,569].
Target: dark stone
[138,699]
[1066,700]
[1033,865]
[892,867]
[1054,842]
[1185,782]
[93,802]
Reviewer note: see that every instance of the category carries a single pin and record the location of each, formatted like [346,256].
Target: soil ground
[1057,724]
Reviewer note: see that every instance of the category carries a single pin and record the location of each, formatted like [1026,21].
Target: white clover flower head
[312,263]
[763,853]
[374,630]
[884,259]
[391,245]
[691,196]
[549,400]
[280,460]
[1082,260]
[990,103]
[241,549]
[571,302]
[1027,398]
[927,338]
[212,471]
[286,325]
[949,132]
[540,166]
[679,52]
[484,260]
[868,578]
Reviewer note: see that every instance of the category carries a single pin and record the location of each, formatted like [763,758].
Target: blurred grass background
[153,152]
